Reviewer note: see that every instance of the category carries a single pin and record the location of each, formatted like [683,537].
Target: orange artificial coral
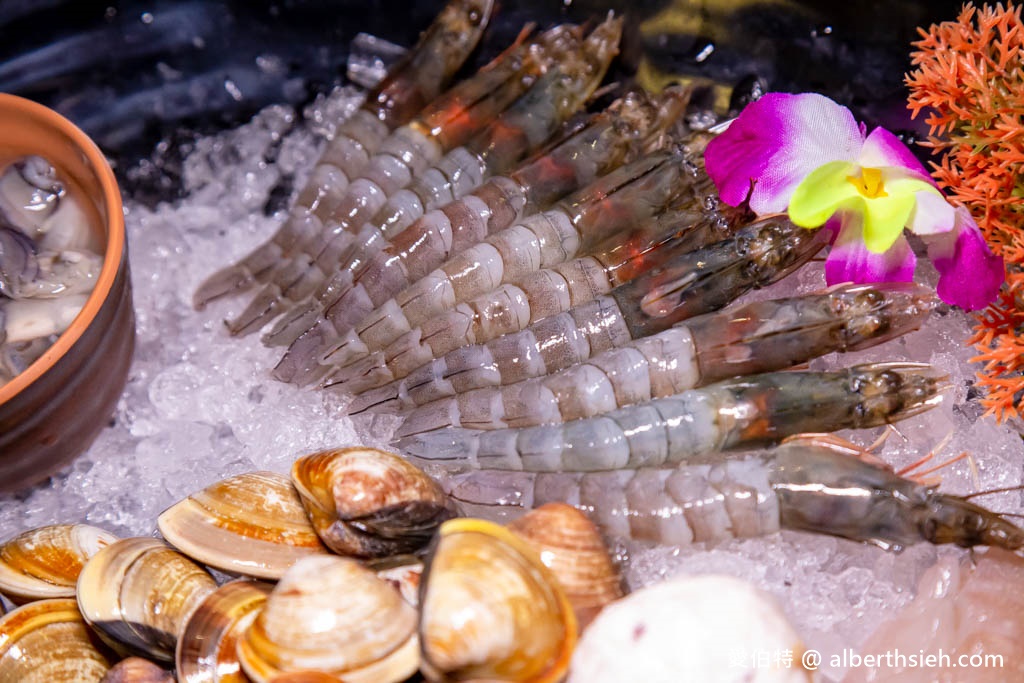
[969,78]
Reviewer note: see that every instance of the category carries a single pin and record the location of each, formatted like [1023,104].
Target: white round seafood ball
[711,629]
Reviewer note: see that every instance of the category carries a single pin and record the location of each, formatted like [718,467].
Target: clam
[403,572]
[491,610]
[332,615]
[305,677]
[365,502]
[570,545]
[45,562]
[138,594]
[137,670]
[251,524]
[206,649]
[29,193]
[47,641]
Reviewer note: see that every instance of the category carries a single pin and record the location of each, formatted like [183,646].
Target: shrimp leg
[802,485]
[409,85]
[734,414]
[756,337]
[608,140]
[703,280]
[507,140]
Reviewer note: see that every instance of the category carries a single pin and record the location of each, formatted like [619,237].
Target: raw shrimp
[756,337]
[446,122]
[807,483]
[734,414]
[630,195]
[503,143]
[549,291]
[703,280]
[631,124]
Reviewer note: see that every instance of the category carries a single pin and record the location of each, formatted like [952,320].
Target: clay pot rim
[115,245]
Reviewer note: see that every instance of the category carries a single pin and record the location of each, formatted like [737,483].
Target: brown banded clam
[491,610]
[206,649]
[403,572]
[47,641]
[570,545]
[137,670]
[332,615]
[139,593]
[252,524]
[45,562]
[365,502]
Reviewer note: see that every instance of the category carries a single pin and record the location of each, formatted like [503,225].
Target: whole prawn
[756,337]
[633,123]
[410,84]
[505,141]
[734,414]
[632,195]
[698,282]
[808,483]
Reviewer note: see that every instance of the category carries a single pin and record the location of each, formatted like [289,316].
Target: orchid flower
[807,155]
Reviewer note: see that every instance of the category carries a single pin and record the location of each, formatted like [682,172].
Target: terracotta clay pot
[52,412]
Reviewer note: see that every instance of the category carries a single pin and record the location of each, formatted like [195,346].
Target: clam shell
[331,614]
[47,641]
[491,610]
[570,545]
[252,524]
[305,677]
[138,594]
[403,572]
[45,562]
[365,502]
[206,649]
[137,670]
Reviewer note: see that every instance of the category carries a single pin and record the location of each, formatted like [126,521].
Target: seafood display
[540,301]
[50,258]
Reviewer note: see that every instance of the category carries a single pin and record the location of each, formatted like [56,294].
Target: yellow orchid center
[868,183]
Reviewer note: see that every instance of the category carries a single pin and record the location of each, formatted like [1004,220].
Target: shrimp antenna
[1005,489]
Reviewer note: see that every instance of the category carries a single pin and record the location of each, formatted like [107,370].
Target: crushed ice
[200,406]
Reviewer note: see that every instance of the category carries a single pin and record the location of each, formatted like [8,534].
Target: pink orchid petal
[970,275]
[932,214]
[776,142]
[850,260]
[882,148]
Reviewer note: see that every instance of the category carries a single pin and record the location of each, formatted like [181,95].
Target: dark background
[134,73]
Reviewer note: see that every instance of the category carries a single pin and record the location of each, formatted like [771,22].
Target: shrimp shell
[804,484]
[694,283]
[756,337]
[730,415]
[411,83]
[524,126]
[611,138]
[625,197]
[534,296]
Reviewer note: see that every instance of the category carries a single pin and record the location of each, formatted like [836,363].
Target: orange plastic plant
[969,78]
